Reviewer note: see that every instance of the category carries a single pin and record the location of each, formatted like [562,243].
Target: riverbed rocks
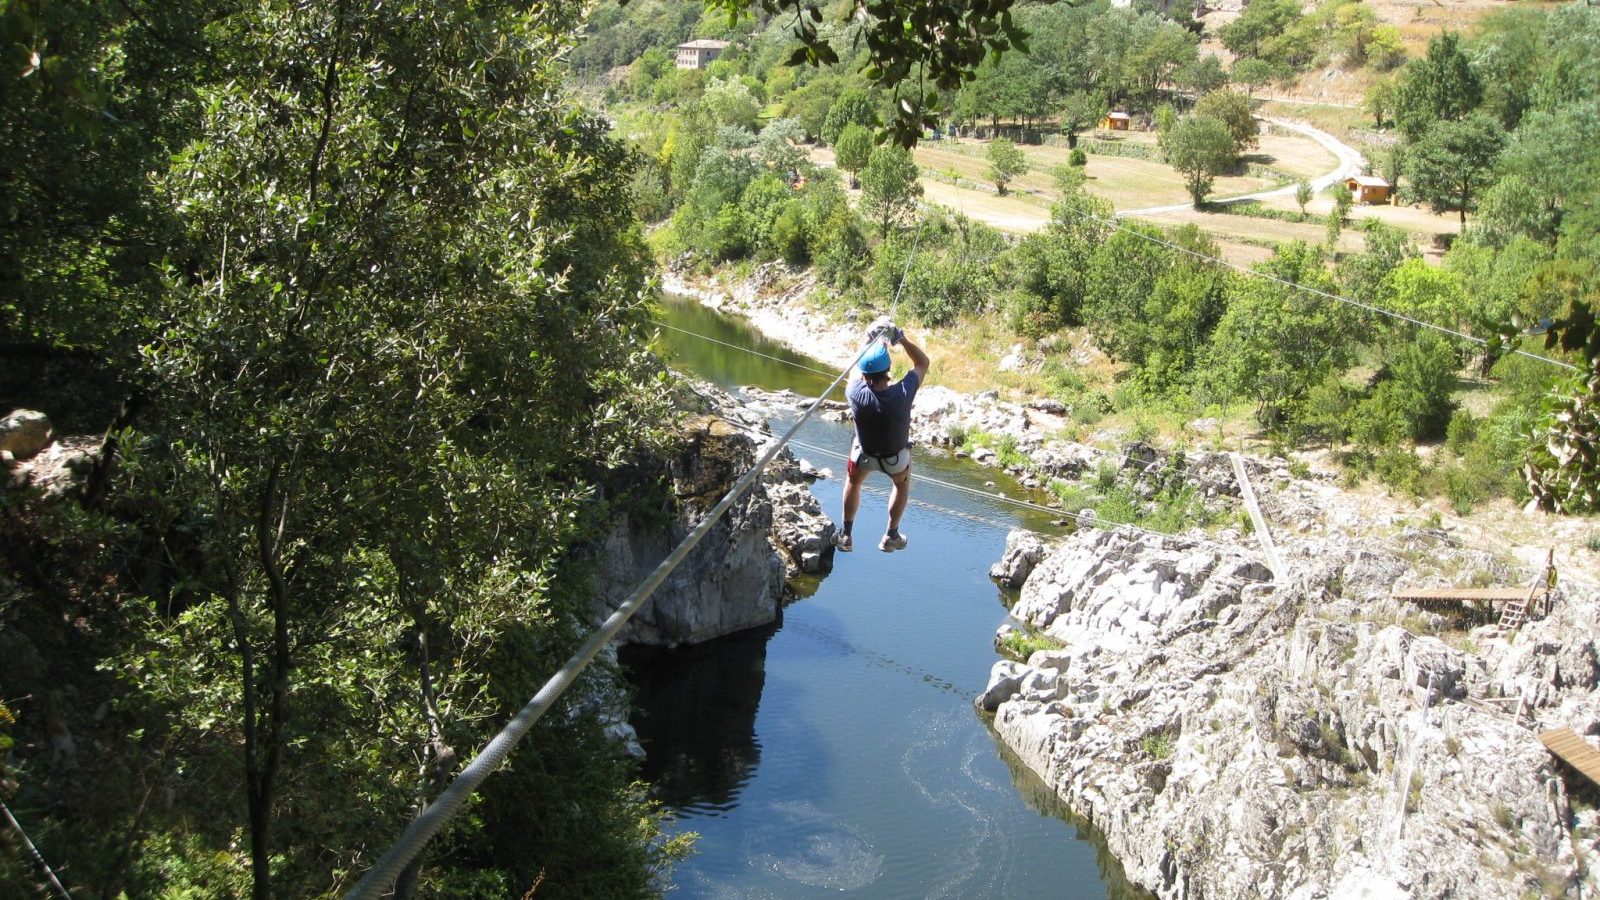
[23,433]
[1234,736]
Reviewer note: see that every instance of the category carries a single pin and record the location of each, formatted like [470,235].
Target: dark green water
[839,751]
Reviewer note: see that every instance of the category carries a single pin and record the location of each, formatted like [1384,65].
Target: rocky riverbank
[1307,737]
[1310,737]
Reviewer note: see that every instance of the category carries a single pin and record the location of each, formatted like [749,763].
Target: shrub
[1105,476]
[1023,644]
[789,234]
[1463,491]
[726,236]
[1073,498]
[1078,157]
[1157,745]
[1379,421]
[1399,469]
[1463,429]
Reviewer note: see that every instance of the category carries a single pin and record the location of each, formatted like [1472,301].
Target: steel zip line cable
[381,877]
[33,852]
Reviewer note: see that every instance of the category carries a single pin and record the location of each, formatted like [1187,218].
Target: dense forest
[1497,126]
[356,293]
[353,302]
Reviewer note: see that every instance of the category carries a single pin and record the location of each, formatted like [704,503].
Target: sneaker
[891,544]
[843,542]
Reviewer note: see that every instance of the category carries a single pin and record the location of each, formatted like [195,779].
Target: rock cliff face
[734,579]
[1237,738]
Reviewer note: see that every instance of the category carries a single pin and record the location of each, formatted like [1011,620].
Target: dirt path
[1350,163]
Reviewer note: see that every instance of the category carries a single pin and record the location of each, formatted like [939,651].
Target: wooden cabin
[698,54]
[1116,121]
[1369,189]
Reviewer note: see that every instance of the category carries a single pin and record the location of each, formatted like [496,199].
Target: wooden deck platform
[1574,751]
[1491,595]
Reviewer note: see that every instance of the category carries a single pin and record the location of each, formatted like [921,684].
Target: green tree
[1120,280]
[853,107]
[1563,470]
[1200,148]
[1425,291]
[1454,161]
[1252,33]
[1551,181]
[1439,87]
[1202,76]
[889,186]
[777,149]
[1157,49]
[852,151]
[1343,199]
[1232,110]
[1380,100]
[730,102]
[1251,73]
[356,247]
[1006,162]
[1275,342]
[1385,48]
[1302,194]
[1364,273]
[1080,111]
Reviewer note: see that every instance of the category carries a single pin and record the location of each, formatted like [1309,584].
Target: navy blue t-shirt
[883,418]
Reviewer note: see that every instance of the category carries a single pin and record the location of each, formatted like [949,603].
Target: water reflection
[1041,799]
[695,712]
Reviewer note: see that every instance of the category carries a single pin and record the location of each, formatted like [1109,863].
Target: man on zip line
[882,413]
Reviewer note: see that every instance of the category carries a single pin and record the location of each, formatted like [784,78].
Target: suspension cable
[381,877]
[33,853]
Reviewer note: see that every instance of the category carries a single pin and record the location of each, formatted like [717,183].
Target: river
[838,751]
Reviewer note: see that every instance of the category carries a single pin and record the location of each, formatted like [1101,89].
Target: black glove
[883,328]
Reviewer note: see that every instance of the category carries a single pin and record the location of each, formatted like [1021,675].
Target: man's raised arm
[919,360]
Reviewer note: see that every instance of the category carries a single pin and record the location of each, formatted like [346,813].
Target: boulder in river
[1023,551]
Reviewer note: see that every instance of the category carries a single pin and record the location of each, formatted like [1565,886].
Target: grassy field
[1338,121]
[1128,182]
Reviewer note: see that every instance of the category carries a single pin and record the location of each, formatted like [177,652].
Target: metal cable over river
[838,750]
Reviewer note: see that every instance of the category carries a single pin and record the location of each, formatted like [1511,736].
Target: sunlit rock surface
[1235,738]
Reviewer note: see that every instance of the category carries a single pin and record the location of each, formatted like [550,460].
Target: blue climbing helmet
[876,360]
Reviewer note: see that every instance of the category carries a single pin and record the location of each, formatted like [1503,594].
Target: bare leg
[898,499]
[852,492]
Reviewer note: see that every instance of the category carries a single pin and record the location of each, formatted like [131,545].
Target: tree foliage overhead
[928,47]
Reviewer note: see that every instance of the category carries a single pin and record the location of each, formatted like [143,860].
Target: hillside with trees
[352,305]
[1479,117]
